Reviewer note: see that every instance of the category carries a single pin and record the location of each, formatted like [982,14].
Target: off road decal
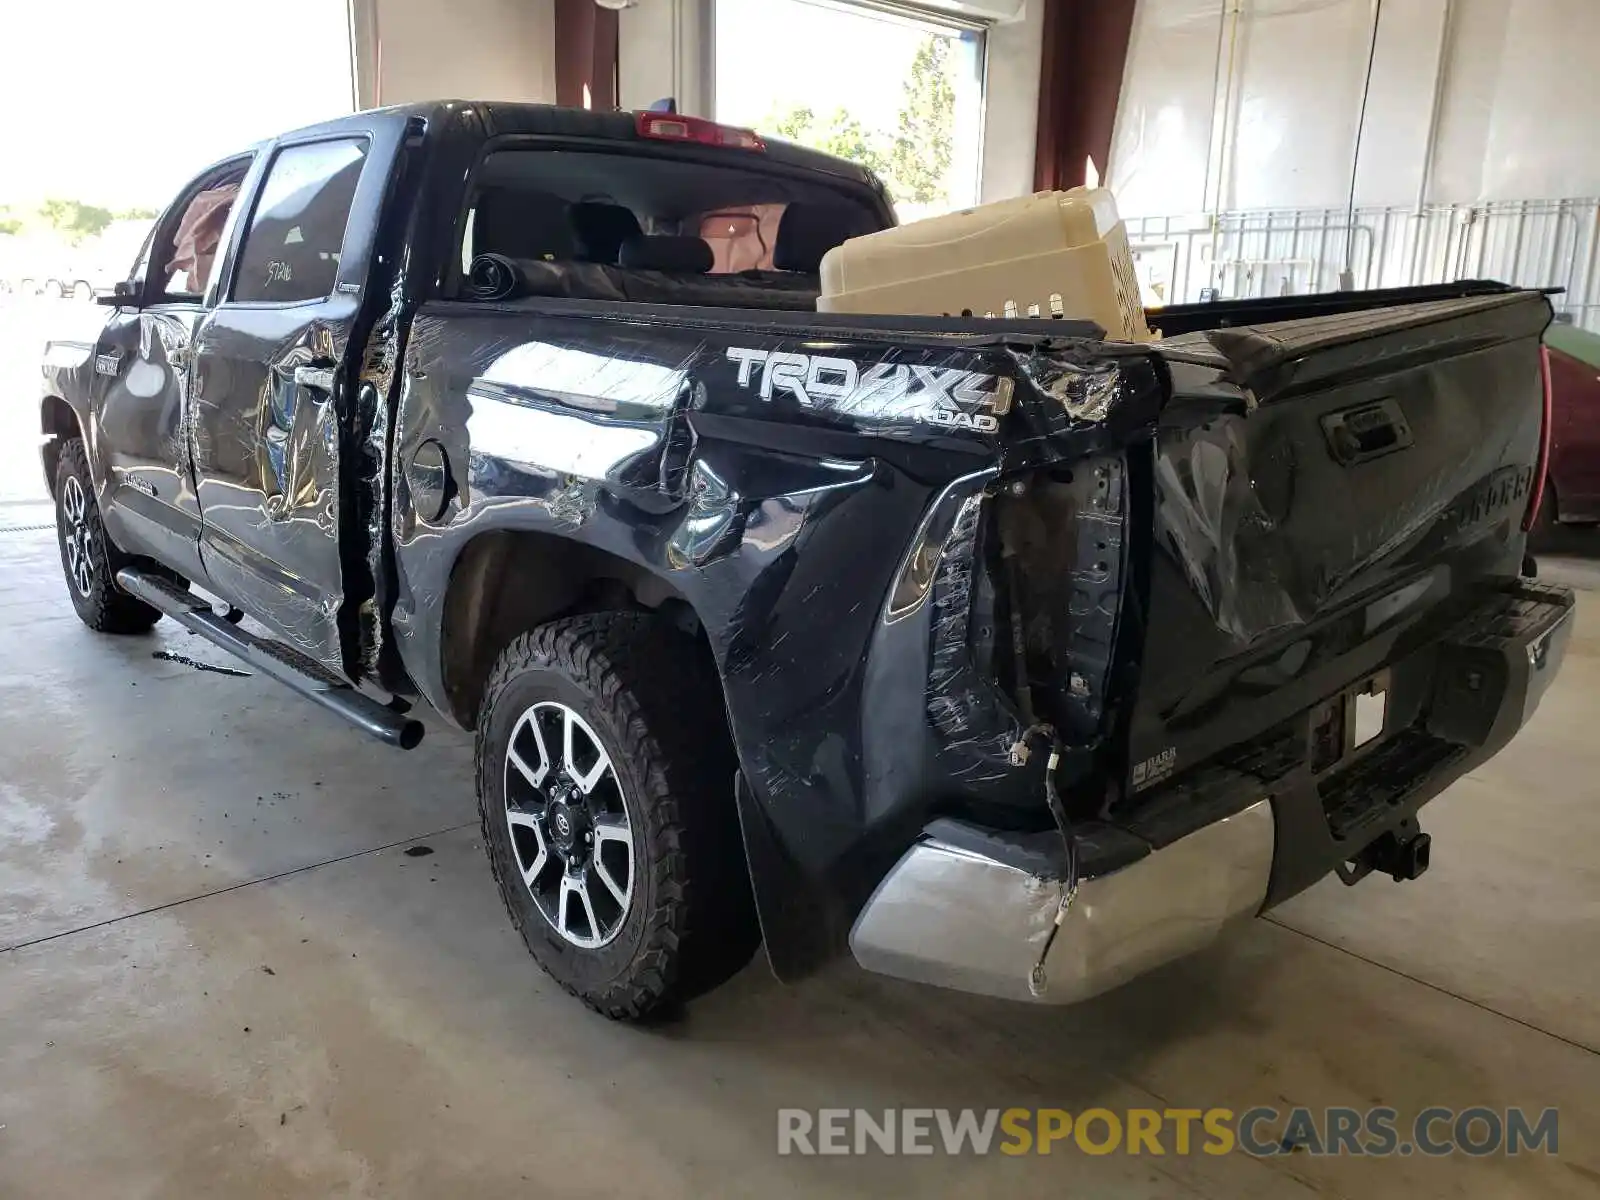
[947,396]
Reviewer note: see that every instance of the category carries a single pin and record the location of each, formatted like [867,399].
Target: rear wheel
[605,786]
[83,290]
[87,555]
[53,289]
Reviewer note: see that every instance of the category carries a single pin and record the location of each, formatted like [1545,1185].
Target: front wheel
[83,290]
[605,787]
[87,554]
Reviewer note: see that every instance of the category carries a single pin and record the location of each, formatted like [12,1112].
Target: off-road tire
[104,607]
[656,704]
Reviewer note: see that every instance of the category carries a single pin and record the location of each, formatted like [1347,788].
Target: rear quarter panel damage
[780,511]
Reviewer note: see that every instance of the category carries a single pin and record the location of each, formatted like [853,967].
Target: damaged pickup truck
[1009,657]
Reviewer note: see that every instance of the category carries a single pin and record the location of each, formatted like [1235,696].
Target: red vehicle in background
[1572,491]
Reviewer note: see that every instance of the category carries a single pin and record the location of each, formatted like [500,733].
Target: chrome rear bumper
[958,918]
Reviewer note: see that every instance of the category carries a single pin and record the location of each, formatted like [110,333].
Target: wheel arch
[506,582]
[59,423]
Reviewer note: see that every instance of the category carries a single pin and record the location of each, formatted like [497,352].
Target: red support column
[1080,81]
[585,54]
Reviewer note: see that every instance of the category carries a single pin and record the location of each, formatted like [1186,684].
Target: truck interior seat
[523,224]
[808,231]
[535,244]
[601,230]
[679,255]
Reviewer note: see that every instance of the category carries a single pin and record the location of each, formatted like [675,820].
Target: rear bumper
[951,915]
[995,913]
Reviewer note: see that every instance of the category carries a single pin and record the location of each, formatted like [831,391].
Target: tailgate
[1367,491]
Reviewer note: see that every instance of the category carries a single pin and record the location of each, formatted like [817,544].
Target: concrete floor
[220,975]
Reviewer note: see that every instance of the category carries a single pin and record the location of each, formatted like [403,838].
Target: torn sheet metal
[965,706]
[1077,397]
[1085,391]
[1065,535]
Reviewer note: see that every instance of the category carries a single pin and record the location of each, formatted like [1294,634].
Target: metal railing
[1237,255]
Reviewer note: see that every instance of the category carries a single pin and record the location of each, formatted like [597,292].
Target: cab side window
[194,247]
[178,257]
[296,235]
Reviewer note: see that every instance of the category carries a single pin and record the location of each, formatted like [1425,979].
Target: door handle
[314,376]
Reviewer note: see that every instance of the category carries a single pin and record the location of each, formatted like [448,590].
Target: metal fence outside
[1533,243]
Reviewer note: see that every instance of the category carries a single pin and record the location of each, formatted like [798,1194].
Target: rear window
[620,209]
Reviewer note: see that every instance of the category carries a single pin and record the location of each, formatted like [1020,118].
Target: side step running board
[286,665]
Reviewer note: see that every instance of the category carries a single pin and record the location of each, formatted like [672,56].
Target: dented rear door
[276,448]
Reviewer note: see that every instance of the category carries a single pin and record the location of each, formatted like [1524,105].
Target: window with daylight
[291,251]
[901,94]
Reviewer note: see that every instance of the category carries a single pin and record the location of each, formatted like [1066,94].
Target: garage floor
[223,974]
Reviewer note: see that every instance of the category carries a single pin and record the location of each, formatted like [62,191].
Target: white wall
[408,50]
[1299,64]
[1405,69]
[665,48]
[1162,144]
[1225,112]
[1522,102]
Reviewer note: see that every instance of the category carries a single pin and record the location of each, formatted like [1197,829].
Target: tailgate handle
[1367,431]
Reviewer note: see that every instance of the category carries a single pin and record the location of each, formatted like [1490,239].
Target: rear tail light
[1543,467]
[671,127]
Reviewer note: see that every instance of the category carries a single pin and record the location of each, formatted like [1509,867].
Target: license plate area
[1345,726]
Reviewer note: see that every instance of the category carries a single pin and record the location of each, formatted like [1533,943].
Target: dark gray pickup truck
[1007,656]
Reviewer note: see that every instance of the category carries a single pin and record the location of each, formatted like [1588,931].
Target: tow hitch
[1401,854]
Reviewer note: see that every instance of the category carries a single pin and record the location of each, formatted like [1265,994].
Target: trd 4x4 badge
[947,396]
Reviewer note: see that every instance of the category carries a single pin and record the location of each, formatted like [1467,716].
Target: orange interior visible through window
[743,238]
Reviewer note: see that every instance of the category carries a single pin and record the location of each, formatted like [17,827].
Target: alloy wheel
[79,540]
[570,827]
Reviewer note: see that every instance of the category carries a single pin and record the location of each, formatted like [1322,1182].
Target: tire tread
[668,704]
[108,609]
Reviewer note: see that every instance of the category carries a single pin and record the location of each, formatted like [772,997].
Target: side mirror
[125,293]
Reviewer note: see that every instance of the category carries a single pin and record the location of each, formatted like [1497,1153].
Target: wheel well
[505,583]
[56,419]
